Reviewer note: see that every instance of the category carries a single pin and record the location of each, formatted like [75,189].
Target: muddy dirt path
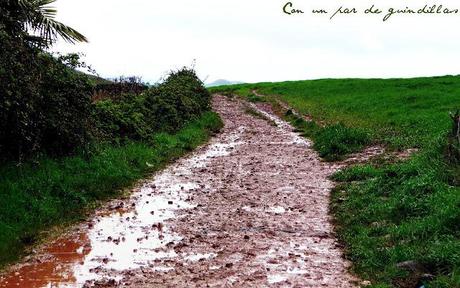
[250,209]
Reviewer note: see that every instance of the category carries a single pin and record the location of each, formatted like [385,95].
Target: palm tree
[38,17]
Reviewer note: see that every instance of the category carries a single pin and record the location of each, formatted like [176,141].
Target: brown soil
[250,209]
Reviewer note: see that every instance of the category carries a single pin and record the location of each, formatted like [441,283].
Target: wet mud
[250,209]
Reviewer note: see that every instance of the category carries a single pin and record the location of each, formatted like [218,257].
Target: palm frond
[40,18]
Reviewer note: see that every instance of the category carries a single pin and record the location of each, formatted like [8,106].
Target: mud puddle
[248,209]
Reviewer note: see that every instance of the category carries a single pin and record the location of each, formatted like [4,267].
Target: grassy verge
[38,195]
[393,213]
[333,142]
[400,222]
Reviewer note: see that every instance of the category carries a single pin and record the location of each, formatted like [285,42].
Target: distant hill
[222,82]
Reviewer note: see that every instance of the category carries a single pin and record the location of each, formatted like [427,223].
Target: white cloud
[254,41]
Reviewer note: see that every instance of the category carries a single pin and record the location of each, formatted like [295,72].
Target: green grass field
[386,212]
[47,192]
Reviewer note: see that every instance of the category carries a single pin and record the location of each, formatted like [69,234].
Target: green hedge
[46,107]
[44,104]
[163,108]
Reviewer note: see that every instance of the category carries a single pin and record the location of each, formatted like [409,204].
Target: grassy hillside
[401,112]
[387,212]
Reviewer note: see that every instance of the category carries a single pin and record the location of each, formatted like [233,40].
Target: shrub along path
[249,209]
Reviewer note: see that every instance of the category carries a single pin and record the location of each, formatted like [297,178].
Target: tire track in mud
[250,209]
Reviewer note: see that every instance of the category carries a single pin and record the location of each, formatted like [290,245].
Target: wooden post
[456,125]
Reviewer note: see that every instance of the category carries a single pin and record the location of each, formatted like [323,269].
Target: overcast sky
[253,40]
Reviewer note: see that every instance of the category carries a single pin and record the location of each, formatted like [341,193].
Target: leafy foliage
[18,17]
[164,108]
[46,102]
[113,89]
[49,104]
[178,99]
[122,119]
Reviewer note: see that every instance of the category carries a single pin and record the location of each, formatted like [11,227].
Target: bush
[180,98]
[164,108]
[120,86]
[44,104]
[66,106]
[18,96]
[124,118]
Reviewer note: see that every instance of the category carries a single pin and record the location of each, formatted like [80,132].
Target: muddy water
[249,209]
